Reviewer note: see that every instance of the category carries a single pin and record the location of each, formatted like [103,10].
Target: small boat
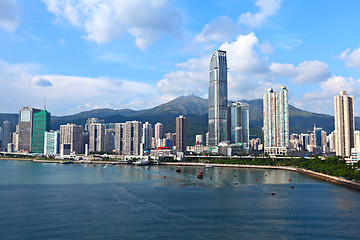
[209,166]
[200,174]
[178,169]
[66,162]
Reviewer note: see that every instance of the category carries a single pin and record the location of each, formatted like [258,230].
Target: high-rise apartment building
[71,135]
[96,137]
[239,118]
[6,134]
[199,140]
[147,135]
[276,121]
[40,124]
[181,133]
[344,123]
[317,137]
[120,138]
[133,136]
[110,140]
[218,99]
[52,142]
[158,134]
[25,128]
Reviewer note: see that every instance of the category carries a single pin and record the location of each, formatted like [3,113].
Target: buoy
[234,169]
[257,180]
[164,176]
[188,172]
[236,183]
[159,172]
[147,169]
[210,177]
[289,180]
[265,175]
[234,175]
[250,172]
[292,187]
[171,169]
[272,193]
[219,172]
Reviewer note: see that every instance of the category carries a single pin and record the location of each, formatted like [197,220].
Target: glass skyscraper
[239,115]
[218,99]
[40,124]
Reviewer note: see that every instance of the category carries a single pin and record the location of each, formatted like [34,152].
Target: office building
[25,128]
[181,133]
[6,137]
[40,124]
[218,99]
[52,142]
[344,124]
[317,137]
[96,137]
[71,138]
[239,127]
[276,121]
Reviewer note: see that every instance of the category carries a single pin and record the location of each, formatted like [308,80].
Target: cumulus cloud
[220,30]
[105,20]
[305,72]
[9,15]
[351,58]
[267,8]
[25,84]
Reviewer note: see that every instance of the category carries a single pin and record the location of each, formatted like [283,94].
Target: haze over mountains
[195,109]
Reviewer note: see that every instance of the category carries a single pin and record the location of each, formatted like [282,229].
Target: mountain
[195,109]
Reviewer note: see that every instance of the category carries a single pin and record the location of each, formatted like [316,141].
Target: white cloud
[305,72]
[9,15]
[105,20]
[351,59]
[267,8]
[25,84]
[220,30]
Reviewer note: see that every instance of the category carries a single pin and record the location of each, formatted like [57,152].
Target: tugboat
[200,174]
[178,169]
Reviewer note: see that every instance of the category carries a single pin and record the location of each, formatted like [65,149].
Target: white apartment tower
[344,123]
[276,121]
[97,137]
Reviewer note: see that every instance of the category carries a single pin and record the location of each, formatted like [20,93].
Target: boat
[178,169]
[209,166]
[66,162]
[141,162]
[200,174]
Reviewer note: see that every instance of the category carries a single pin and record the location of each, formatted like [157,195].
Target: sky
[85,54]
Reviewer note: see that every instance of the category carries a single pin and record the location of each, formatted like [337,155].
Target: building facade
[120,138]
[6,138]
[344,124]
[52,142]
[25,128]
[218,99]
[133,136]
[147,134]
[276,121]
[40,124]
[181,133]
[96,137]
[239,127]
[71,135]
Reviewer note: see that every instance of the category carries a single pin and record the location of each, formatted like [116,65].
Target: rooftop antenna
[44,103]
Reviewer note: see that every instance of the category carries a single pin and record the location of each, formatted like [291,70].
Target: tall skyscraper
[181,133]
[276,121]
[133,132]
[239,115]
[218,99]
[147,135]
[25,128]
[344,123]
[317,137]
[40,124]
[120,138]
[96,137]
[71,134]
[6,134]
[52,142]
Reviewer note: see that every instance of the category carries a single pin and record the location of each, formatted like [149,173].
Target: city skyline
[140,62]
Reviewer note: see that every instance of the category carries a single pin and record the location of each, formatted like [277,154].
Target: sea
[86,201]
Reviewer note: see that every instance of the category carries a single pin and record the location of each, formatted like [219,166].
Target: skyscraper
[344,123]
[40,124]
[133,132]
[52,142]
[25,128]
[276,121]
[147,135]
[317,137]
[71,134]
[181,133]
[96,137]
[119,138]
[6,134]
[239,115]
[218,99]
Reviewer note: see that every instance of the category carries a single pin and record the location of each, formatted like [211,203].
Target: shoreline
[328,178]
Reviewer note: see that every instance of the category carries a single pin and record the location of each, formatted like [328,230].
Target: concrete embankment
[329,178]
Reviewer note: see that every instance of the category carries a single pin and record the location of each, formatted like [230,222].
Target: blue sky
[85,54]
